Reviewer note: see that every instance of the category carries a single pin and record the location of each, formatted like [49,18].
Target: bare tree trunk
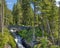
[2,18]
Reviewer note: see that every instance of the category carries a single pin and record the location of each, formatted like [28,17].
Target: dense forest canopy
[42,16]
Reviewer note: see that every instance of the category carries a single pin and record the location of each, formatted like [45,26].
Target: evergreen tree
[17,14]
[27,12]
[8,17]
[48,9]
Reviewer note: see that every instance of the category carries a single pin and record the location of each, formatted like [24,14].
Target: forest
[43,16]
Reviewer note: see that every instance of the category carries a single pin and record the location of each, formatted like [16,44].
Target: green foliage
[37,46]
[26,34]
[7,38]
[27,13]
[23,14]
[38,32]
[44,42]
[8,17]
[23,33]
[56,35]
[0,4]
[17,14]
[53,46]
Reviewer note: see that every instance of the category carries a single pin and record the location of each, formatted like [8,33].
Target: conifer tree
[27,12]
[17,14]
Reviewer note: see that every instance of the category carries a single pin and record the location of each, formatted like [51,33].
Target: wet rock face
[7,46]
